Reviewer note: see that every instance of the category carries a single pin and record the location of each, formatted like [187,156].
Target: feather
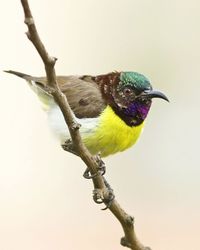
[83,93]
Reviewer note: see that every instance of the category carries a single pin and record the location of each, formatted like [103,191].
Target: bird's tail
[22,75]
[26,77]
[36,85]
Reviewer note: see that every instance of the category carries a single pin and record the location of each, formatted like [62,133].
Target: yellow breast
[112,134]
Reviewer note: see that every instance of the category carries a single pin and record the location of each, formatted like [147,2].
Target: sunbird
[111,108]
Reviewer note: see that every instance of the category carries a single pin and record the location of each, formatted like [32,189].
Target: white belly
[60,129]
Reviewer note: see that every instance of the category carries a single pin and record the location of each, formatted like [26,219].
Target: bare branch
[102,188]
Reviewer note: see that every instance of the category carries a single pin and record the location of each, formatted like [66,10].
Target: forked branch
[92,163]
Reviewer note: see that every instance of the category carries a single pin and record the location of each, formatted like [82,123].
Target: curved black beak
[154,94]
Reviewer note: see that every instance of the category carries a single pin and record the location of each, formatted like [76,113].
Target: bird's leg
[101,168]
[69,147]
[99,197]
[101,164]
[111,196]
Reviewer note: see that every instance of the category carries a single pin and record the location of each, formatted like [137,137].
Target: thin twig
[100,184]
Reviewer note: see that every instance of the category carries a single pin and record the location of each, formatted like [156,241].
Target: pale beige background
[45,204]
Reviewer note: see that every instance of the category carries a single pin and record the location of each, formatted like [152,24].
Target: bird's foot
[105,196]
[69,147]
[101,168]
[99,197]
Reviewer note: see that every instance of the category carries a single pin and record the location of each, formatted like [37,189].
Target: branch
[102,188]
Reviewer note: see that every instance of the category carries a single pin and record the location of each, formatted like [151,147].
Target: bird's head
[130,95]
[134,97]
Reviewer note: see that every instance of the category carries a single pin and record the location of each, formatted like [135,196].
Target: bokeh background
[45,204]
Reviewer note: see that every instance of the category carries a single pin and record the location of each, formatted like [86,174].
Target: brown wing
[82,93]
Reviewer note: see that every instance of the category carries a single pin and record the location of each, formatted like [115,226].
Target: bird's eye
[127,91]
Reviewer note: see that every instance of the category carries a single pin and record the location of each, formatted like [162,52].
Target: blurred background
[45,203]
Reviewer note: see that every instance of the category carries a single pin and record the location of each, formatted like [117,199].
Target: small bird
[110,108]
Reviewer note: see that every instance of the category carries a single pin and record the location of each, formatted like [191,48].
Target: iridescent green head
[135,80]
[129,94]
[136,95]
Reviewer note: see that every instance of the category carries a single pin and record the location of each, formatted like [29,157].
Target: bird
[111,108]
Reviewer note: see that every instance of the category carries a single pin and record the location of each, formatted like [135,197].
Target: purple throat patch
[138,108]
